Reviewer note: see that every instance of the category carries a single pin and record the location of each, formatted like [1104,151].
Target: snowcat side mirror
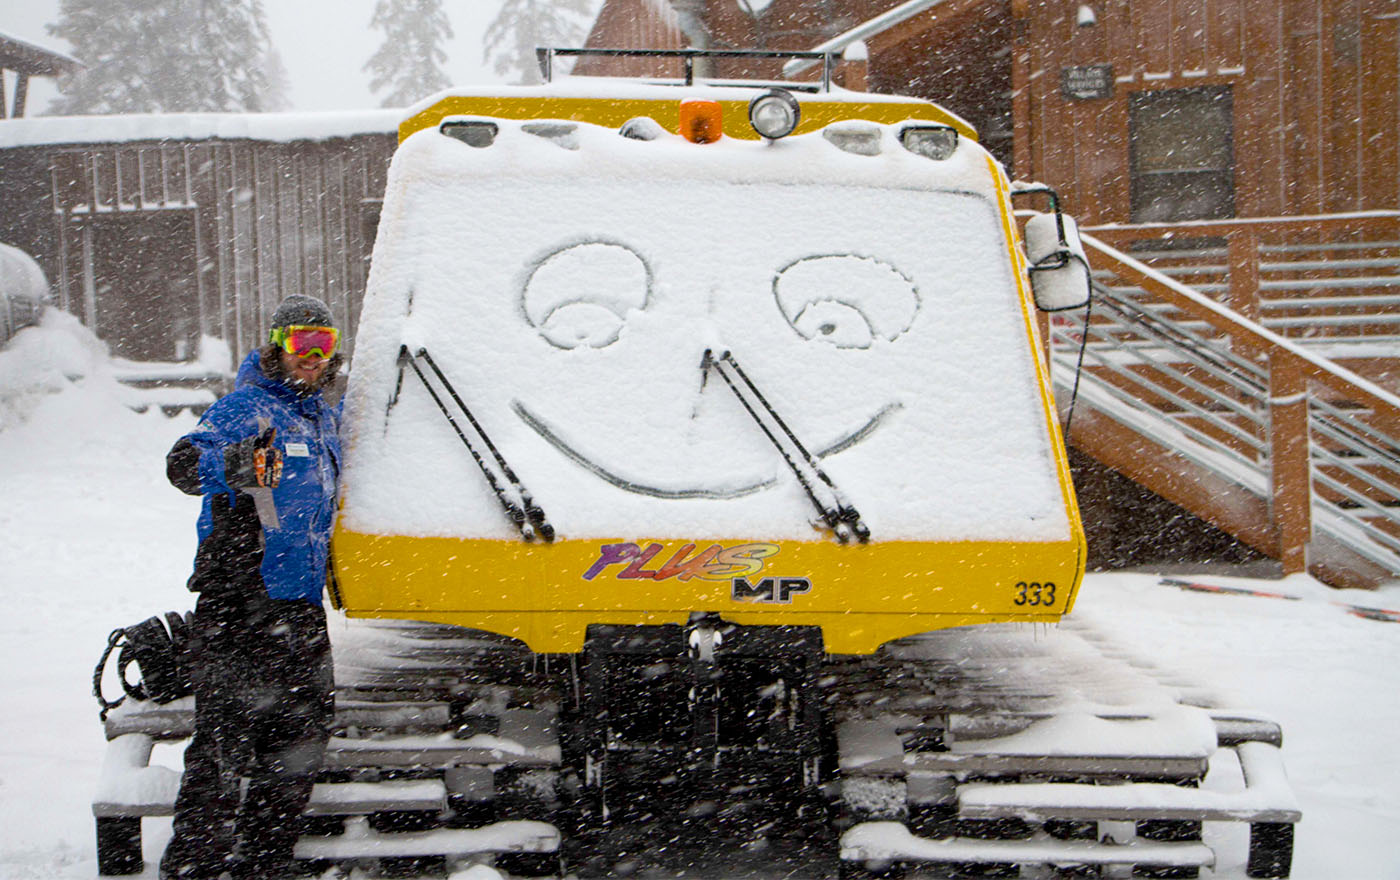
[1059,270]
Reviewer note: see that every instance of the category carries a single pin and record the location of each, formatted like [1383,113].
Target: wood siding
[1314,91]
[631,24]
[211,233]
[1314,84]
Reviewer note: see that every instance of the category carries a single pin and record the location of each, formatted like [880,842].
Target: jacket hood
[250,372]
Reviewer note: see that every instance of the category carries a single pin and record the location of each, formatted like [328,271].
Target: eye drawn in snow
[579,295]
[846,300]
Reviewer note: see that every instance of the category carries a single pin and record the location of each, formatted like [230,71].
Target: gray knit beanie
[299,309]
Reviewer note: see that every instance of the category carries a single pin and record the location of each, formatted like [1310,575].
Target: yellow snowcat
[703,494]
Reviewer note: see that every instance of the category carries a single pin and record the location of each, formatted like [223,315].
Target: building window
[1183,155]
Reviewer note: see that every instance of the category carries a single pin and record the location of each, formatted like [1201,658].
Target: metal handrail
[1200,450]
[1258,262]
[1236,371]
[1381,299]
[1337,522]
[1368,438]
[1250,334]
[1380,536]
[1181,333]
[1329,283]
[1359,498]
[1222,373]
[1187,407]
[1330,321]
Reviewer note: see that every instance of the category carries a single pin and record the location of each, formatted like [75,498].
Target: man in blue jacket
[265,458]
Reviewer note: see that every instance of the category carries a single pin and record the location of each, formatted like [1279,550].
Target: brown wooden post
[1021,92]
[21,94]
[1290,485]
[854,74]
[1244,272]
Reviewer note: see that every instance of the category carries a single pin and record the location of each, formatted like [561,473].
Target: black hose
[113,641]
[1079,366]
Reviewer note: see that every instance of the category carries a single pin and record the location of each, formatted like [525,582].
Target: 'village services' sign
[1088,82]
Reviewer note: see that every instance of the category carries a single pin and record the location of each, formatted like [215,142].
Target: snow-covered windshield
[572,313]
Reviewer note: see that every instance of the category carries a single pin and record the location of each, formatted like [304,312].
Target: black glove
[253,462]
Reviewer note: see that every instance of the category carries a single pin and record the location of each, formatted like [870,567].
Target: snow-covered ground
[92,537]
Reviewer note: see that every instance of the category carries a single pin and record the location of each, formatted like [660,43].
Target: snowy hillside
[92,537]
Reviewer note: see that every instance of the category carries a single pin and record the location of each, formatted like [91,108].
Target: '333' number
[1035,593]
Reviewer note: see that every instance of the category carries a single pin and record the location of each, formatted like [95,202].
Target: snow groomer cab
[701,384]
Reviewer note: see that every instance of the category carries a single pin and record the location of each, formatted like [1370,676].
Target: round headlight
[774,114]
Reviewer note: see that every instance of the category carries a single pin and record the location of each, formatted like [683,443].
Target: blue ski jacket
[294,543]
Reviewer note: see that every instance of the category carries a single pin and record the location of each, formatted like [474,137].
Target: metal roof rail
[546,55]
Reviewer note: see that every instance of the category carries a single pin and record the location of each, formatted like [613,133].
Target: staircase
[1227,377]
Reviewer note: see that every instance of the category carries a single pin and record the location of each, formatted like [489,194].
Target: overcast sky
[323,43]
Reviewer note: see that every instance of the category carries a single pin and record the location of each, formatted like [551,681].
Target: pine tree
[522,25]
[166,56]
[408,65]
[279,87]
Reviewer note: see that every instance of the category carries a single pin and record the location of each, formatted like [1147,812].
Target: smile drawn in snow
[744,487]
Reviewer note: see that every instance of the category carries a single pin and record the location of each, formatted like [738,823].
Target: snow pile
[58,354]
[213,357]
[569,282]
[1179,730]
[92,537]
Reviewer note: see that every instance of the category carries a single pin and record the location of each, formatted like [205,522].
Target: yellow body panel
[861,595]
[665,109]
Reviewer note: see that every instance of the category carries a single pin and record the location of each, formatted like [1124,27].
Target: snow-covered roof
[274,127]
[31,59]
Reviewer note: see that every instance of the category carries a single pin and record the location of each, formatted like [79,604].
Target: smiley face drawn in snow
[573,314]
[587,294]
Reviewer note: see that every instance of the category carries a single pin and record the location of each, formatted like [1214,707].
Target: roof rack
[547,54]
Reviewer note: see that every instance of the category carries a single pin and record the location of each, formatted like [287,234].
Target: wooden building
[1137,110]
[160,230]
[27,60]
